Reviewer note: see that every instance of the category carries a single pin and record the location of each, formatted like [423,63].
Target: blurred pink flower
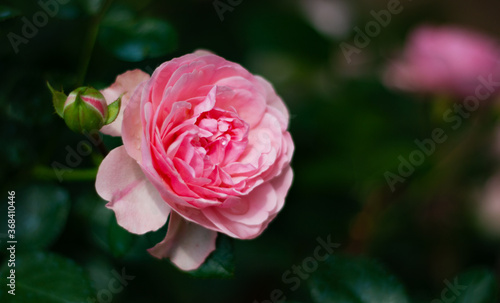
[444,60]
[488,209]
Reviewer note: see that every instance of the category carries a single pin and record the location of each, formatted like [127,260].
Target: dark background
[347,127]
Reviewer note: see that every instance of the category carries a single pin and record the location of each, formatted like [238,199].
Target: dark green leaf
[92,207]
[345,279]
[8,12]
[46,278]
[220,263]
[120,240]
[41,213]
[103,228]
[133,40]
[474,286]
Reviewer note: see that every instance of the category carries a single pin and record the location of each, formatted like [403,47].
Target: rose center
[222,135]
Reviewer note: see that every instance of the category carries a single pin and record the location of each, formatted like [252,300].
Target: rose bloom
[444,60]
[205,143]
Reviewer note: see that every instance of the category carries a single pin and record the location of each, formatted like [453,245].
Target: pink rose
[445,60]
[206,143]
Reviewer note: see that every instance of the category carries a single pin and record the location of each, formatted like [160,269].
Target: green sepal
[113,110]
[58,99]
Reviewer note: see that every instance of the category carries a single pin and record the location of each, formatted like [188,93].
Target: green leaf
[113,110]
[8,12]
[346,279]
[103,229]
[220,263]
[120,240]
[132,39]
[58,100]
[46,278]
[474,286]
[41,211]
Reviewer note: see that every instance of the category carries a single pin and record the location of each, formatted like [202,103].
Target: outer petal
[187,244]
[138,206]
[132,130]
[274,101]
[125,83]
[248,217]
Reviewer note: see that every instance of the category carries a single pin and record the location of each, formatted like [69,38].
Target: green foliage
[47,278]
[345,279]
[135,39]
[92,7]
[8,12]
[41,212]
[481,286]
[120,240]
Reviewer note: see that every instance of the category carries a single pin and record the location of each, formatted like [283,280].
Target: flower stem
[45,173]
[100,144]
[88,47]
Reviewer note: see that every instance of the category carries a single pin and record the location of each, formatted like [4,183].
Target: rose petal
[132,127]
[241,93]
[275,102]
[124,83]
[249,215]
[187,244]
[138,206]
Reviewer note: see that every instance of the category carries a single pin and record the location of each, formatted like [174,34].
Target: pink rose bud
[85,109]
[445,60]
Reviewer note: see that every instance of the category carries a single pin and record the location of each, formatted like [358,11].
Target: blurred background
[348,127]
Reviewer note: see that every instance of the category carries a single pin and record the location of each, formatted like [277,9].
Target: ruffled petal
[187,244]
[138,206]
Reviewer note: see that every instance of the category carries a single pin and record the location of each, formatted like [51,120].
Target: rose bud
[85,109]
